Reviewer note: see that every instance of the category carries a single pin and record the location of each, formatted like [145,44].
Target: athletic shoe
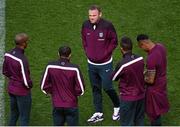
[116,114]
[96,117]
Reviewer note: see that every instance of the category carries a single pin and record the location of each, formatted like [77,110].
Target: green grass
[51,23]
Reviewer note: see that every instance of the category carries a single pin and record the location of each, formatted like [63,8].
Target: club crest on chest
[101,34]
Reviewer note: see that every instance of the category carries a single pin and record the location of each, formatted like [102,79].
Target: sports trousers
[65,115]
[20,107]
[157,121]
[100,76]
[132,113]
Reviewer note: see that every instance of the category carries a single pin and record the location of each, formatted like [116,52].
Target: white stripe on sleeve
[125,65]
[63,68]
[22,67]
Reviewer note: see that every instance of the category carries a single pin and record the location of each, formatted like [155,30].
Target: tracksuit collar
[20,50]
[129,53]
[64,60]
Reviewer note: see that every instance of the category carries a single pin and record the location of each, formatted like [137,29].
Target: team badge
[62,63]
[100,34]
[14,52]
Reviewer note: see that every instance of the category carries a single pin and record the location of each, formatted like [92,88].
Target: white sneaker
[116,114]
[96,117]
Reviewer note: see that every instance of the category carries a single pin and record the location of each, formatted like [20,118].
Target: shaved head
[21,38]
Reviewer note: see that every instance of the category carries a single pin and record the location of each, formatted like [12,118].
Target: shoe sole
[96,121]
[117,118]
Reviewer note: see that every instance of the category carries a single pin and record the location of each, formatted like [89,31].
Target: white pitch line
[2,46]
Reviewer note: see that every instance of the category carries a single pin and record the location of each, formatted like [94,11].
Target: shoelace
[94,115]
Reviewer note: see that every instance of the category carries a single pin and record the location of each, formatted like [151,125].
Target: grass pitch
[52,23]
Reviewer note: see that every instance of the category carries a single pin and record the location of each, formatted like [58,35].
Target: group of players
[140,90]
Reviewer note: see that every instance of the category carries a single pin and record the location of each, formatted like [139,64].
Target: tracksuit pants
[132,113]
[157,121]
[20,107]
[68,115]
[100,76]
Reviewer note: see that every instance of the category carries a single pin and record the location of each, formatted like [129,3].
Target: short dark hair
[126,43]
[95,7]
[141,37]
[64,51]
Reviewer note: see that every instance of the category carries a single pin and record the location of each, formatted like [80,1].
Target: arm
[79,83]
[83,38]
[46,82]
[26,73]
[28,78]
[149,76]
[5,68]
[113,40]
[116,72]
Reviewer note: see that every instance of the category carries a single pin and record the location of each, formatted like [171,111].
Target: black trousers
[68,115]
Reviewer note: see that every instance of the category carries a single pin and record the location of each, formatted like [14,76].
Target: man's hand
[149,76]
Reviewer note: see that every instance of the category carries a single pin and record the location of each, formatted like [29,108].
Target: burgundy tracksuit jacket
[16,68]
[64,81]
[99,43]
[130,72]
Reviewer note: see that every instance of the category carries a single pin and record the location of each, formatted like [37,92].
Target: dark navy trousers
[20,107]
[65,115]
[157,121]
[132,113]
[100,77]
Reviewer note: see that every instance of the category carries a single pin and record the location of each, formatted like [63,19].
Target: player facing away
[64,82]
[155,78]
[16,68]
[131,85]
[99,40]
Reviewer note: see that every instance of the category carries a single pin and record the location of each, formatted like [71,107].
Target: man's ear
[100,14]
[122,51]
[69,56]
